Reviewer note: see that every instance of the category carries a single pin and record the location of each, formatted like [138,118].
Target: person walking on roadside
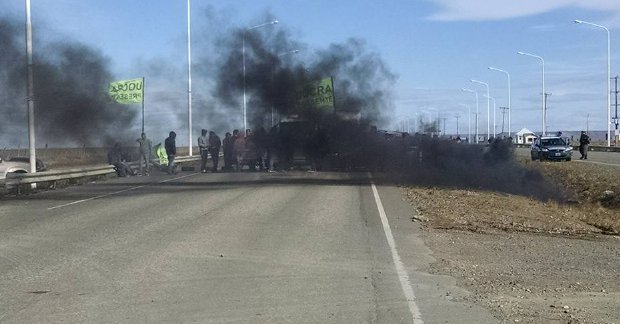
[584,141]
[214,149]
[146,151]
[171,151]
[203,145]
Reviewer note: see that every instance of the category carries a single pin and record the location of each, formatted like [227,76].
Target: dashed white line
[116,192]
[398,264]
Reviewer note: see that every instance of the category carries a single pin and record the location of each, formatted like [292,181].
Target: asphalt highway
[293,247]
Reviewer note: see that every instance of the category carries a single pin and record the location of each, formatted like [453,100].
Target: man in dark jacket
[228,151]
[584,141]
[171,151]
[214,149]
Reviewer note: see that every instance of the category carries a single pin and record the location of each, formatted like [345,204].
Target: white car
[18,165]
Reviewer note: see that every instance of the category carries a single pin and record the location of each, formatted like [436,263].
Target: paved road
[221,248]
[605,158]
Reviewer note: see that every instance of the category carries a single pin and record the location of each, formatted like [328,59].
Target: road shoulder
[434,293]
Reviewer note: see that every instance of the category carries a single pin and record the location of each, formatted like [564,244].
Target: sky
[435,47]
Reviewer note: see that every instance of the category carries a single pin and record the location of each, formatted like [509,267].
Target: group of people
[118,158]
[238,150]
[209,145]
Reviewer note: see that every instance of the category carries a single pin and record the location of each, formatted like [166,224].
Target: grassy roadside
[591,204]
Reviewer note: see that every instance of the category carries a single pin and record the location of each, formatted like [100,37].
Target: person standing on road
[171,151]
[214,149]
[227,146]
[146,151]
[584,141]
[235,136]
[203,145]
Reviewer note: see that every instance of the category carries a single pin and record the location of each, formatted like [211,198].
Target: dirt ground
[527,260]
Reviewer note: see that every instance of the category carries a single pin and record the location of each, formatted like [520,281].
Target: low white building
[525,136]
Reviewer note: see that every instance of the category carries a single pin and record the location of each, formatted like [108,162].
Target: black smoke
[12,86]
[437,162]
[275,77]
[70,93]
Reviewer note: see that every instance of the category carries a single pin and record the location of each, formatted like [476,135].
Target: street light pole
[488,107]
[509,106]
[189,77]
[477,109]
[30,91]
[494,108]
[544,131]
[243,53]
[608,76]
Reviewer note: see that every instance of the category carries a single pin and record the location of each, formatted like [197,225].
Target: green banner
[320,94]
[127,91]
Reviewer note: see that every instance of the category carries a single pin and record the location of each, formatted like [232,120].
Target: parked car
[551,148]
[18,165]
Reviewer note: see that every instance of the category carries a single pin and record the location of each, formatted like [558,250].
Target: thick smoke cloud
[70,87]
[12,86]
[275,77]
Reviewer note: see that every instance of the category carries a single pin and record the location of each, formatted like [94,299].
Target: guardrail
[15,180]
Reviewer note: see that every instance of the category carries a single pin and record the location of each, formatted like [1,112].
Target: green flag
[127,91]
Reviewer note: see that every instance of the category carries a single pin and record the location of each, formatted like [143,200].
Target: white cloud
[480,10]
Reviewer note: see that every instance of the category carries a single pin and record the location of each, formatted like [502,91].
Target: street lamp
[608,76]
[488,107]
[477,108]
[543,88]
[509,109]
[494,107]
[244,96]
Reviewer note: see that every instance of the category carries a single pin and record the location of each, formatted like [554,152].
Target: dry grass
[587,211]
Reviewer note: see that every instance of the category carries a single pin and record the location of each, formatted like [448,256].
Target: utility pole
[547,94]
[616,120]
[457,124]
[503,109]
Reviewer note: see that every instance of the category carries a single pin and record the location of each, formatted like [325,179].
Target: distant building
[524,136]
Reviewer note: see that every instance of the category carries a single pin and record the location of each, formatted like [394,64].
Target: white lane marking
[116,192]
[594,162]
[398,264]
